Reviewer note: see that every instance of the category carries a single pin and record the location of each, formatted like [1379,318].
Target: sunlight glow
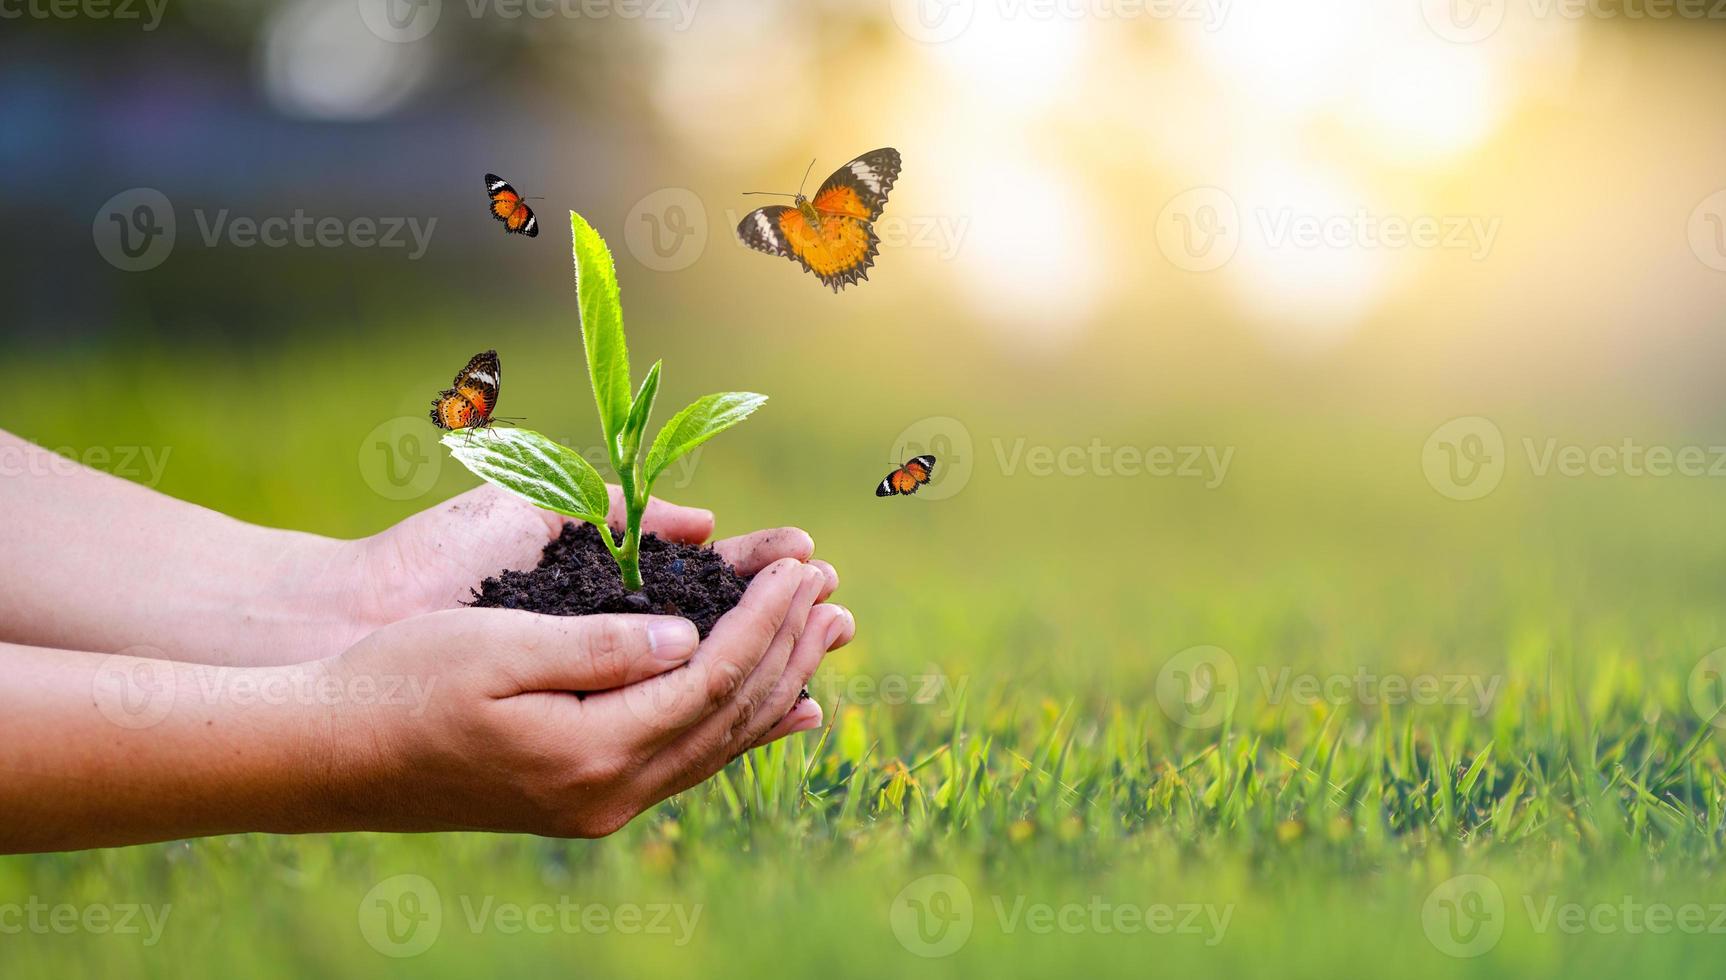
[1305,294]
[320,61]
[1027,269]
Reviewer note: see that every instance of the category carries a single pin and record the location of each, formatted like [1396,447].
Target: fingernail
[814,576]
[810,709]
[672,639]
[841,622]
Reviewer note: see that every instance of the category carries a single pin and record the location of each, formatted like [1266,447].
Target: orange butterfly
[510,208]
[832,234]
[906,479]
[470,403]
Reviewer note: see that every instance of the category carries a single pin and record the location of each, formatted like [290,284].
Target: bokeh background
[1367,265]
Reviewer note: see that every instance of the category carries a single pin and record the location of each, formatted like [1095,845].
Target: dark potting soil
[576,577]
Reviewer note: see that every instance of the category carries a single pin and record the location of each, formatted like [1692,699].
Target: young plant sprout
[558,478]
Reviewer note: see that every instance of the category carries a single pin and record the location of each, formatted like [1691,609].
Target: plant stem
[628,554]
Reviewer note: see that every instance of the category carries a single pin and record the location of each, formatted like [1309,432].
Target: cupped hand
[503,742]
[433,560]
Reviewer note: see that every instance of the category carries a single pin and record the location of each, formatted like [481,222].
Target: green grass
[1041,614]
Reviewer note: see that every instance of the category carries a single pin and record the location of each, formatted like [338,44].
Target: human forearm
[94,562]
[99,750]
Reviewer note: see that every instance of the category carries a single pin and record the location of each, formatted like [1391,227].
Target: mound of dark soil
[576,577]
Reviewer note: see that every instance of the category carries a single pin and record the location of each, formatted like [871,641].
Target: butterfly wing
[921,468]
[841,248]
[473,397]
[838,253]
[523,222]
[907,478]
[508,207]
[860,188]
[504,199]
[452,410]
[760,230]
[484,375]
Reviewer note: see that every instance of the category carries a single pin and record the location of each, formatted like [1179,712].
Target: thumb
[535,652]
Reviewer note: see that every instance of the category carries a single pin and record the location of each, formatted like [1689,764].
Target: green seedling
[559,479]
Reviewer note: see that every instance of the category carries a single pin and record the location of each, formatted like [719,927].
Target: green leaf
[640,411]
[705,418]
[533,467]
[601,327]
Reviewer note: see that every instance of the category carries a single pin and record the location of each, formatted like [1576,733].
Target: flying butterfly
[831,234]
[906,479]
[510,207]
[470,402]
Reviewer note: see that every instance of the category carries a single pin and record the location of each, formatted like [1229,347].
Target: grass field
[1314,719]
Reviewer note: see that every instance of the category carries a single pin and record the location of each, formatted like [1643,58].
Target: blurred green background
[1119,227]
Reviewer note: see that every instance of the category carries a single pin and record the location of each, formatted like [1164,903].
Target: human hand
[433,559]
[502,742]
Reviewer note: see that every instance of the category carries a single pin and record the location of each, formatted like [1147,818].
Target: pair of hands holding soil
[251,679]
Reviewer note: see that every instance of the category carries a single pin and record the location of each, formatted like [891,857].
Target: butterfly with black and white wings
[832,234]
